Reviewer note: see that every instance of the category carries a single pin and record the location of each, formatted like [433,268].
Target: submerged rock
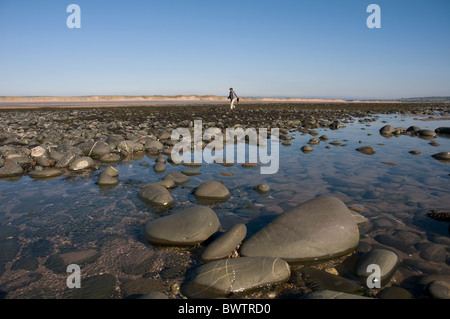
[368,150]
[444,156]
[189,226]
[212,190]
[236,275]
[177,177]
[223,246]
[320,228]
[156,195]
[387,261]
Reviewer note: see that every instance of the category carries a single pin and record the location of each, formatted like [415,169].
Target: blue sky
[261,48]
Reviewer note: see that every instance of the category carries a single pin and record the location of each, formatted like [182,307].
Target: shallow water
[70,218]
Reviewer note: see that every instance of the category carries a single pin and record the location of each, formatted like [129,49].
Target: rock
[314,141]
[368,150]
[190,172]
[223,246]
[320,280]
[156,195]
[108,177]
[43,161]
[323,138]
[387,261]
[335,143]
[177,177]
[395,242]
[168,183]
[128,147]
[413,129]
[160,159]
[432,252]
[46,173]
[438,289]
[414,152]
[189,226]
[249,165]
[320,228]
[262,188]
[359,219]
[159,167]
[441,215]
[154,295]
[394,293]
[329,294]
[67,159]
[444,156]
[110,158]
[10,169]
[153,146]
[443,130]
[37,151]
[426,133]
[95,149]
[306,149]
[95,287]
[212,190]
[81,163]
[236,275]
[387,130]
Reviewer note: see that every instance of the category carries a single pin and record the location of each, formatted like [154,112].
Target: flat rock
[156,195]
[443,156]
[129,147]
[191,172]
[45,173]
[189,226]
[236,275]
[167,183]
[110,158]
[212,190]
[439,289]
[320,228]
[223,246]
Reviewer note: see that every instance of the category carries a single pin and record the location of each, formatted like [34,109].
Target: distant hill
[430,99]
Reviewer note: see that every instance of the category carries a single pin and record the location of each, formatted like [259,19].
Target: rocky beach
[358,184]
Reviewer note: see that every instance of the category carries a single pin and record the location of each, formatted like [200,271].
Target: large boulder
[320,228]
[189,226]
[222,277]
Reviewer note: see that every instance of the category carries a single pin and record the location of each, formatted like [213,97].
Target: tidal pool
[47,224]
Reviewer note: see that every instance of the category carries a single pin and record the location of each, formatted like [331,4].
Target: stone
[335,143]
[159,167]
[128,147]
[45,173]
[262,188]
[95,149]
[368,150]
[10,169]
[177,177]
[236,275]
[320,279]
[387,261]
[37,151]
[426,133]
[438,289]
[330,294]
[95,287]
[387,130]
[432,252]
[154,295]
[443,130]
[414,152]
[394,293]
[223,246]
[392,241]
[43,161]
[443,156]
[153,146]
[191,172]
[67,159]
[189,227]
[108,177]
[320,228]
[81,163]
[306,149]
[161,159]
[212,190]
[156,195]
[110,158]
[168,183]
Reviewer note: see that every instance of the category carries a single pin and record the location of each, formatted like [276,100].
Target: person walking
[233,97]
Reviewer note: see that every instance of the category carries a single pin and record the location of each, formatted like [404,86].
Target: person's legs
[232,104]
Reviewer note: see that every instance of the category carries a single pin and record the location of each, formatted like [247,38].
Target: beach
[96,185]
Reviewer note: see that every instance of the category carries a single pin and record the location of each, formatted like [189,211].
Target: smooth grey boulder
[212,190]
[67,159]
[438,289]
[262,188]
[177,177]
[330,294]
[443,130]
[223,246]
[320,228]
[108,177]
[426,133]
[156,195]
[189,226]
[10,169]
[110,158]
[153,145]
[159,167]
[236,275]
[46,173]
[80,163]
[168,183]
[387,261]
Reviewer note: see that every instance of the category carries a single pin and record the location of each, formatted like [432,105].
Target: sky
[294,48]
